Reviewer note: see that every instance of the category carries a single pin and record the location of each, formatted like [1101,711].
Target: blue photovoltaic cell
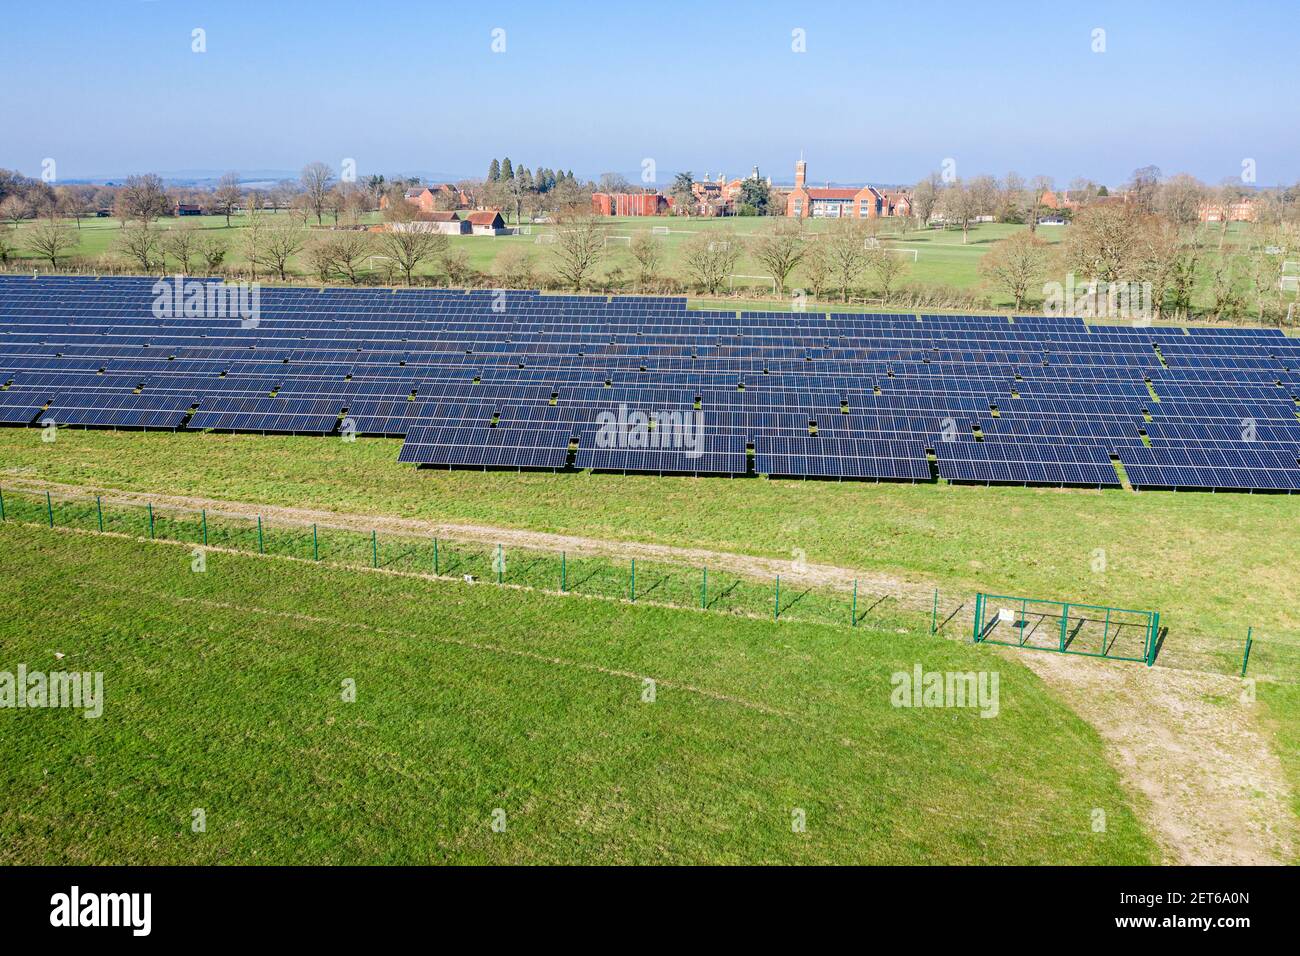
[475,378]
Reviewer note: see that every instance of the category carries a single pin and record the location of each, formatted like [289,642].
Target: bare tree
[340,256]
[226,196]
[181,243]
[1016,264]
[648,253]
[780,251]
[1179,199]
[888,267]
[846,248]
[253,236]
[15,209]
[317,178]
[145,198]
[1103,242]
[50,239]
[281,242]
[961,203]
[1038,188]
[141,244]
[817,268]
[410,243]
[211,250]
[1142,188]
[579,248]
[709,258]
[925,198]
[7,245]
[515,267]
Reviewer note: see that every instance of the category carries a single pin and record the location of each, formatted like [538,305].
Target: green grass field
[943,259]
[1212,564]
[223,693]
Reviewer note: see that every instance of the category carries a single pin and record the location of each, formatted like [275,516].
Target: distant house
[868,202]
[434,198]
[187,209]
[447,223]
[1240,210]
[487,223]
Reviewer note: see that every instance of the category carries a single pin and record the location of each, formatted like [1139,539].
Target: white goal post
[1290,278]
[731,280]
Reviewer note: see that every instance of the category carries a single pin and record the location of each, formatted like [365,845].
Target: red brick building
[435,198]
[628,204]
[868,202]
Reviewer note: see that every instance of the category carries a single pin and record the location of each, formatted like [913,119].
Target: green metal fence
[1092,630]
[641,581]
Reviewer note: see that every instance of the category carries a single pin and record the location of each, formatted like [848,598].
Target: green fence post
[49,506]
[1065,616]
[934,613]
[704,589]
[2,506]
[99,511]
[776,605]
[203,512]
[632,582]
[1245,657]
[563,573]
[979,608]
[315,544]
[1024,621]
[1105,633]
[854,614]
[1154,639]
[150,504]
[261,546]
[499,564]
[435,555]
[374,549]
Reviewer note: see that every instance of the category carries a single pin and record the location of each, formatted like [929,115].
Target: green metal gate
[1120,634]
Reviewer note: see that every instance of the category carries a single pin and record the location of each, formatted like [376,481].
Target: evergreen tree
[494,172]
[507,171]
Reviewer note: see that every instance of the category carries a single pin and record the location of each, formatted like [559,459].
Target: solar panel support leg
[704,589]
[49,506]
[853,616]
[1245,656]
[563,573]
[203,514]
[99,512]
[776,604]
[934,613]
[435,555]
[632,582]
[2,506]
[500,563]
[315,544]
[374,549]
[261,548]
[150,505]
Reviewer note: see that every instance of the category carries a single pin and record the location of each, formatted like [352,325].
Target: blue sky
[884,92]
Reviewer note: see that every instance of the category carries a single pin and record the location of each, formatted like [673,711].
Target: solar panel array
[635,383]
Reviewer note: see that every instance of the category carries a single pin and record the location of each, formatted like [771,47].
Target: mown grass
[223,693]
[1211,564]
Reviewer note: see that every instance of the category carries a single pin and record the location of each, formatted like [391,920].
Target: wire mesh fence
[594,575]
[1009,621]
